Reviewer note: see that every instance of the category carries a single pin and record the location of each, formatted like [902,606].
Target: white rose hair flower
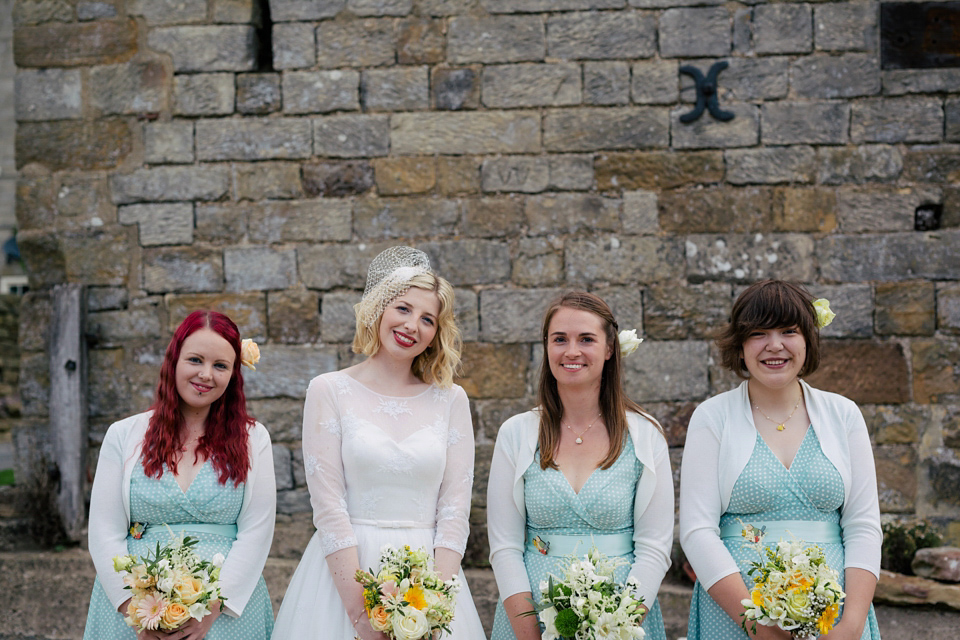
[249,353]
[628,342]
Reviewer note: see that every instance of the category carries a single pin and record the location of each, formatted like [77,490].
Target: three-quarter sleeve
[860,514]
[323,464]
[456,487]
[244,563]
[506,523]
[653,527]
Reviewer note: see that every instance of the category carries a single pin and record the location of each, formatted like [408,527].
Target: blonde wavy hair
[440,362]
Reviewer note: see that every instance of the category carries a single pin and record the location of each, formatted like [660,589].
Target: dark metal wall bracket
[706,93]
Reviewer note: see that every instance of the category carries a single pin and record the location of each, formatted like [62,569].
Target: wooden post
[68,403]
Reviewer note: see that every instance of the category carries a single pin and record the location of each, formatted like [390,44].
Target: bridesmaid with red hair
[195,463]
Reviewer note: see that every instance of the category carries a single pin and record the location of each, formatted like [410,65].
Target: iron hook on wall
[706,93]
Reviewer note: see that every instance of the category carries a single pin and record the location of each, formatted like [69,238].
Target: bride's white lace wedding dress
[380,470]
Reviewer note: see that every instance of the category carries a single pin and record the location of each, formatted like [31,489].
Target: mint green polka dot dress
[604,506]
[811,489]
[160,500]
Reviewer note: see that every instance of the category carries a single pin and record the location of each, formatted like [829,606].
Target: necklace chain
[780,425]
[579,439]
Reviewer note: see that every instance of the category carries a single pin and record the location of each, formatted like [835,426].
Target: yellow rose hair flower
[824,315]
[249,353]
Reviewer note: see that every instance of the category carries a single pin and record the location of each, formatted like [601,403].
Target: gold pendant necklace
[780,425]
[579,439]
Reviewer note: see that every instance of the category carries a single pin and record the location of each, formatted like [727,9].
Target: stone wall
[8,172]
[253,157]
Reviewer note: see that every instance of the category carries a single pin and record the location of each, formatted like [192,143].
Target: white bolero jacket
[720,441]
[109,520]
[507,518]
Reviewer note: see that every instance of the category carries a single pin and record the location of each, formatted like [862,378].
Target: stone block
[513,315]
[898,82]
[657,169]
[259,268]
[204,94]
[846,26]
[281,416]
[932,164]
[893,120]
[97,257]
[951,110]
[397,89]
[567,213]
[896,466]
[951,208]
[600,35]
[936,370]
[667,371]
[538,263]
[251,139]
[493,39]
[706,132]
[236,12]
[297,10]
[771,165]
[626,304]
[812,209]
[860,164]
[896,424]
[356,43]
[26,13]
[207,48]
[880,376]
[337,178]
[339,320]
[606,83]
[678,312]
[571,172]
[182,270]
[531,85]
[258,93]
[106,299]
[700,31]
[716,210]
[351,136]
[811,122]
[116,327]
[458,175]
[853,304]
[655,82]
[905,308]
[164,12]
[376,218]
[282,467]
[942,475]
[267,180]
[493,217]
[43,258]
[421,41]
[938,563]
[590,129]
[890,257]
[494,370]
[112,393]
[454,89]
[129,88]
[782,28]
[68,144]
[470,262]
[286,371]
[320,91]
[463,133]
[330,266]
[524,174]
[171,184]
[466,309]
[318,220]
[293,316]
[640,213]
[160,224]
[168,142]
[380,7]
[744,80]
[404,175]
[845,76]
[35,203]
[294,45]
[625,260]
[747,258]
[248,310]
[47,94]
[882,208]
[948,307]
[220,223]
[85,197]
[70,44]
[542,6]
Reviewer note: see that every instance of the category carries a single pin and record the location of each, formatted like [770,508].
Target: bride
[388,453]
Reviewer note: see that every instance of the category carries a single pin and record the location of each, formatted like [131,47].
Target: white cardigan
[109,521]
[507,516]
[722,429]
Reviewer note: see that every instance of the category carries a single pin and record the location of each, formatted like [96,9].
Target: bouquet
[588,604]
[793,587]
[406,599]
[170,587]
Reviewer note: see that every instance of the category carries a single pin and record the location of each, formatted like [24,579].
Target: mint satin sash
[225,530]
[811,532]
[616,544]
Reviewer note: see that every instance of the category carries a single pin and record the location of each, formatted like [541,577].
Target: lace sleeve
[323,465]
[456,489]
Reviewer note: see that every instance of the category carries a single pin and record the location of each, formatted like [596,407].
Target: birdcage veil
[389,276]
